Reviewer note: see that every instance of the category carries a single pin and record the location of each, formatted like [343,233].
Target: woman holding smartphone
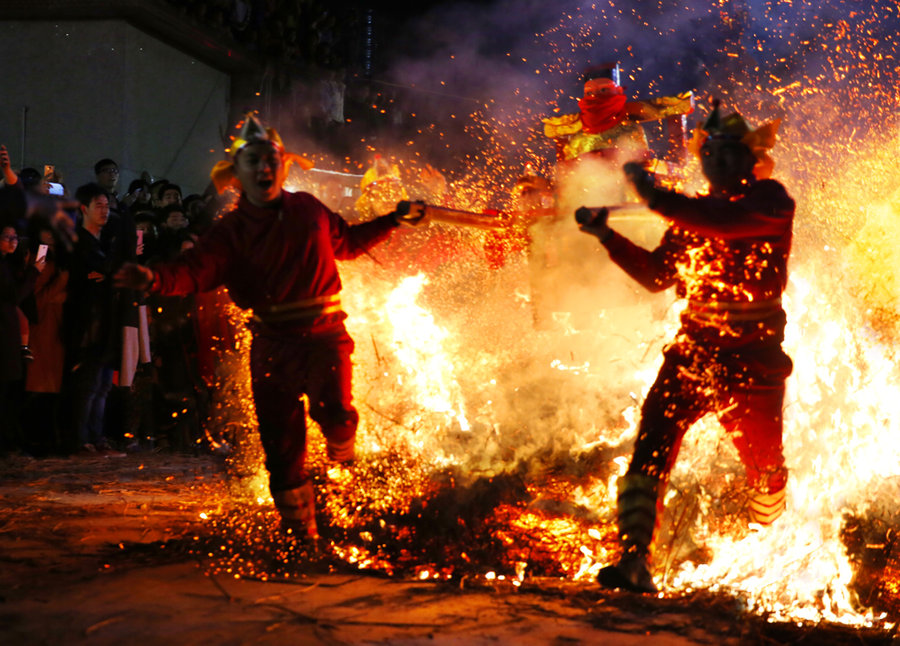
[17,280]
[44,375]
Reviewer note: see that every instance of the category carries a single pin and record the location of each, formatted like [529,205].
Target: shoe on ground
[87,450]
[301,537]
[628,574]
[106,451]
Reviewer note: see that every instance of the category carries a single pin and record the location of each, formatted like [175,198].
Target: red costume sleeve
[766,210]
[271,256]
[652,269]
[741,246]
[351,240]
[198,269]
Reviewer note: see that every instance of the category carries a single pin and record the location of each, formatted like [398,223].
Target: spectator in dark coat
[16,282]
[92,321]
[107,172]
[138,196]
[173,227]
[169,194]
[41,405]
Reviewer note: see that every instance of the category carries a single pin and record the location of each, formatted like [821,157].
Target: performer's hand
[410,213]
[593,221]
[644,182]
[133,276]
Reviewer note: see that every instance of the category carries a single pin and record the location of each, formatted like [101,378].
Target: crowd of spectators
[86,368]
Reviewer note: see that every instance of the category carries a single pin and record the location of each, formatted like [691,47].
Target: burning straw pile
[489,449]
[491,438]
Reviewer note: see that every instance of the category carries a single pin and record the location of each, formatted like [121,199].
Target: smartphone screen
[41,252]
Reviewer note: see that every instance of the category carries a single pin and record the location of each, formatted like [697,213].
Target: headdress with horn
[736,128]
[252,131]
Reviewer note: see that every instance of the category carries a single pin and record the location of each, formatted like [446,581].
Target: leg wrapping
[298,510]
[636,505]
[765,508]
[341,451]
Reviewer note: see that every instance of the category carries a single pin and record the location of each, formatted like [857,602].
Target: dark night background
[509,62]
[463,85]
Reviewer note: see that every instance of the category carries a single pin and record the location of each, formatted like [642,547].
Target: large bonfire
[489,445]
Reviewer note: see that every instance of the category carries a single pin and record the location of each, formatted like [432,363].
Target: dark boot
[298,511]
[636,510]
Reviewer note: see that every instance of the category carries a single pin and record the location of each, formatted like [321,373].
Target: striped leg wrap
[765,508]
[636,506]
[298,510]
[341,451]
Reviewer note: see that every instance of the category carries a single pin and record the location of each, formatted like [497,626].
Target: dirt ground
[94,552]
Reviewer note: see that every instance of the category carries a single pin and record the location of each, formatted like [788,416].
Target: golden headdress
[252,131]
[735,127]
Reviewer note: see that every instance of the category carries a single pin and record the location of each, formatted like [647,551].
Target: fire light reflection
[490,447]
[529,484]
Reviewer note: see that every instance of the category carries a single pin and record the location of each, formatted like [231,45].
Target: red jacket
[727,257]
[273,256]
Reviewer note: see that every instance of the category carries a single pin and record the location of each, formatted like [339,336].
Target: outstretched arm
[649,268]
[350,241]
[198,269]
[766,210]
[134,276]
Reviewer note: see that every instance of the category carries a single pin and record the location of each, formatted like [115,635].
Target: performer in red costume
[726,254]
[608,124]
[276,253]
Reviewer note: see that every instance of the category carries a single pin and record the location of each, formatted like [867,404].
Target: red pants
[745,390]
[284,369]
